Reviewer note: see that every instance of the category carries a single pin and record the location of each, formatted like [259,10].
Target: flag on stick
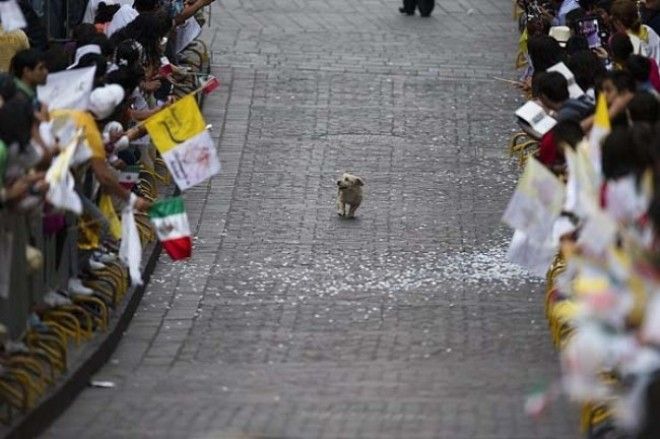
[599,131]
[210,85]
[179,133]
[171,224]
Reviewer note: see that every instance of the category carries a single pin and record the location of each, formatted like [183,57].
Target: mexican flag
[171,224]
[599,132]
[129,176]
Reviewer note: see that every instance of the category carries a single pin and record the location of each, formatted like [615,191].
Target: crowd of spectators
[143,54]
[591,68]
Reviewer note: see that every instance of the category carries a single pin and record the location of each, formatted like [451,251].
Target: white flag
[130,249]
[11,16]
[536,202]
[61,192]
[69,89]
[531,254]
[192,161]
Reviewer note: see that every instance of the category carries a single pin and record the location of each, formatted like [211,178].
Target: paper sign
[11,16]
[69,89]
[536,117]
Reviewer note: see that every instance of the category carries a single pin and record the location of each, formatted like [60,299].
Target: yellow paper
[108,210]
[175,124]
[88,233]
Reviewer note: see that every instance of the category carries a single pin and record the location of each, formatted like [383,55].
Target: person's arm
[618,105]
[136,132]
[190,10]
[28,184]
[110,184]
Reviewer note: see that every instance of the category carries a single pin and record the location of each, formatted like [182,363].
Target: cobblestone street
[289,322]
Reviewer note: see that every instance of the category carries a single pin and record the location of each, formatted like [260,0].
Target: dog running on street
[349,194]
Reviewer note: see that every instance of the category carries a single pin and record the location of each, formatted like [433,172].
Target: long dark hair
[148,29]
[544,51]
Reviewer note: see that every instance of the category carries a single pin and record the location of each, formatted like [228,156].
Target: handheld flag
[129,176]
[179,133]
[599,131]
[171,224]
[536,202]
[210,85]
[130,249]
[165,67]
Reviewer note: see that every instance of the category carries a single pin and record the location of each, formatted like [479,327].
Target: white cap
[561,34]
[104,100]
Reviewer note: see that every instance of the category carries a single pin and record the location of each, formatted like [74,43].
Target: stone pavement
[289,322]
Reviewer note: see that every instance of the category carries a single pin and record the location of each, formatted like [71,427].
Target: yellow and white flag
[179,133]
[536,202]
[599,131]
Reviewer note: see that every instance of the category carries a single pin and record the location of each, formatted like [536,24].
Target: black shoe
[406,11]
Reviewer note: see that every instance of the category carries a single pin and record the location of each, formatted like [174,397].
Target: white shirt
[93,6]
[566,7]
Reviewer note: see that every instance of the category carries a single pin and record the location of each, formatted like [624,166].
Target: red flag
[210,85]
[165,67]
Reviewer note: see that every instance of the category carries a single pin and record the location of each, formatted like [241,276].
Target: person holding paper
[103,101]
[553,93]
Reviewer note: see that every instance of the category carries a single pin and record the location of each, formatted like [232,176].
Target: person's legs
[92,210]
[425,7]
[408,7]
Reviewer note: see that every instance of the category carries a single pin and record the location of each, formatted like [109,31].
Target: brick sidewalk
[291,323]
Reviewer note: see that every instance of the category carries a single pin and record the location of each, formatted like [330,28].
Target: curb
[77,378]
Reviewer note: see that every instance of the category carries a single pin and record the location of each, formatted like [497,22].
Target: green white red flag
[129,177]
[171,223]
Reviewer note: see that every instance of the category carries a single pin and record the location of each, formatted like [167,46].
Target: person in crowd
[645,72]
[620,49]
[575,44]
[617,85]
[625,18]
[29,69]
[544,52]
[586,66]
[566,133]
[35,30]
[650,12]
[553,94]
[643,107]
[104,15]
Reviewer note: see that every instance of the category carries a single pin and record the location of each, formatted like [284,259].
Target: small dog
[349,193]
